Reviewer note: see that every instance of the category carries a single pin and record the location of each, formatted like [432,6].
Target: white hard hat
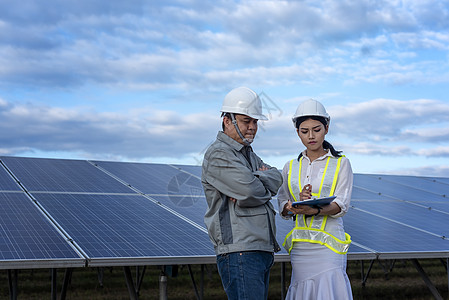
[245,101]
[310,107]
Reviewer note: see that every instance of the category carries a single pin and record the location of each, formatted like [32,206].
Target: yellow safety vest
[315,231]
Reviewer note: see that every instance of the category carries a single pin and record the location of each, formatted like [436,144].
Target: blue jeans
[245,275]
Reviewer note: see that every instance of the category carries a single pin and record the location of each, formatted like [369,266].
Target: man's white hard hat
[245,101]
[310,108]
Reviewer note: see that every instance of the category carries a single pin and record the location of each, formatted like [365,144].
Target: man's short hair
[228,115]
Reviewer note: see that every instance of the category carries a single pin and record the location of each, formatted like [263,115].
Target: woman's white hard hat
[310,107]
[245,101]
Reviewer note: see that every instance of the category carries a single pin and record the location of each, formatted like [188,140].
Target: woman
[317,243]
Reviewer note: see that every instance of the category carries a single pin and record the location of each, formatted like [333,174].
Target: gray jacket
[244,225]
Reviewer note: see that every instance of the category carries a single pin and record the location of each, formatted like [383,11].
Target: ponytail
[327,145]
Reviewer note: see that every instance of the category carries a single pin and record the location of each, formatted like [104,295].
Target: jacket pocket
[250,211]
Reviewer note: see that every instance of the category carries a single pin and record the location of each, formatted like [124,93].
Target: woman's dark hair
[326,144]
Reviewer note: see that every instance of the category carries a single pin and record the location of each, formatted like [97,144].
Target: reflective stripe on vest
[315,232]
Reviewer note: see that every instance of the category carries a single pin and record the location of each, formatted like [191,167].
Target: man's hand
[263,168]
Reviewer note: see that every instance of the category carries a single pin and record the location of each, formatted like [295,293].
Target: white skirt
[318,273]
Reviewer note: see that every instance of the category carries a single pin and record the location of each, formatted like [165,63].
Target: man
[238,186]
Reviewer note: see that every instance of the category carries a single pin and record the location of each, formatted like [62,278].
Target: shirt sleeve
[284,194]
[343,190]
[231,177]
[271,178]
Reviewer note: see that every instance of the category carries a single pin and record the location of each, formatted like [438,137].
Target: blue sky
[144,80]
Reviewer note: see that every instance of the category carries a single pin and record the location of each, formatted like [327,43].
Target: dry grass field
[402,282]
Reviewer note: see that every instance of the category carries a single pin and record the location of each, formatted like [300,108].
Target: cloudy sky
[144,80]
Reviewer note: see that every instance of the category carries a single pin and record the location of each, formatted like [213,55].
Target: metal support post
[193,283]
[162,286]
[282,280]
[54,284]
[65,284]
[100,276]
[202,283]
[130,284]
[365,277]
[426,279]
[139,277]
[12,282]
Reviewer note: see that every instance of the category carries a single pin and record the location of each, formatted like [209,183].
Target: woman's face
[312,134]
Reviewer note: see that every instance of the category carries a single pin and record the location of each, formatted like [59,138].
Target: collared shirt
[311,173]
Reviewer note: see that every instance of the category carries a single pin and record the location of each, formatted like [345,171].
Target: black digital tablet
[315,202]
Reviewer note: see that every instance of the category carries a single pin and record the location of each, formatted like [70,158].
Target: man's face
[247,126]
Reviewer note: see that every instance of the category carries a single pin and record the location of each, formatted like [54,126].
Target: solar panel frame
[192,207]
[176,191]
[384,236]
[59,175]
[442,206]
[381,185]
[428,184]
[415,216]
[7,181]
[151,179]
[123,229]
[28,239]
[195,170]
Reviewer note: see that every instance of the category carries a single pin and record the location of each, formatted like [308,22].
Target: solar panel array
[61,213]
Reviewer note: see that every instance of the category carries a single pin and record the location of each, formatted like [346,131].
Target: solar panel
[415,216]
[382,186]
[428,184]
[154,179]
[60,175]
[194,170]
[433,186]
[443,180]
[390,238]
[120,228]
[7,182]
[192,207]
[441,206]
[121,213]
[362,193]
[27,238]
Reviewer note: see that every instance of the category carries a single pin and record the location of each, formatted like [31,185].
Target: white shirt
[312,173]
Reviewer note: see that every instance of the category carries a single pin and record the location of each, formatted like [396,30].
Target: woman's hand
[299,209]
[306,192]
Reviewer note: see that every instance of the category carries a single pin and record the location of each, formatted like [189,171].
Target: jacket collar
[230,141]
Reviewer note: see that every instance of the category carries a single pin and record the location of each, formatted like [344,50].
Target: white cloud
[387,119]
[432,171]
[442,151]
[173,57]
[78,43]
[430,135]
[131,134]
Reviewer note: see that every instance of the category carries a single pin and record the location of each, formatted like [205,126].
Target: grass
[402,282]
